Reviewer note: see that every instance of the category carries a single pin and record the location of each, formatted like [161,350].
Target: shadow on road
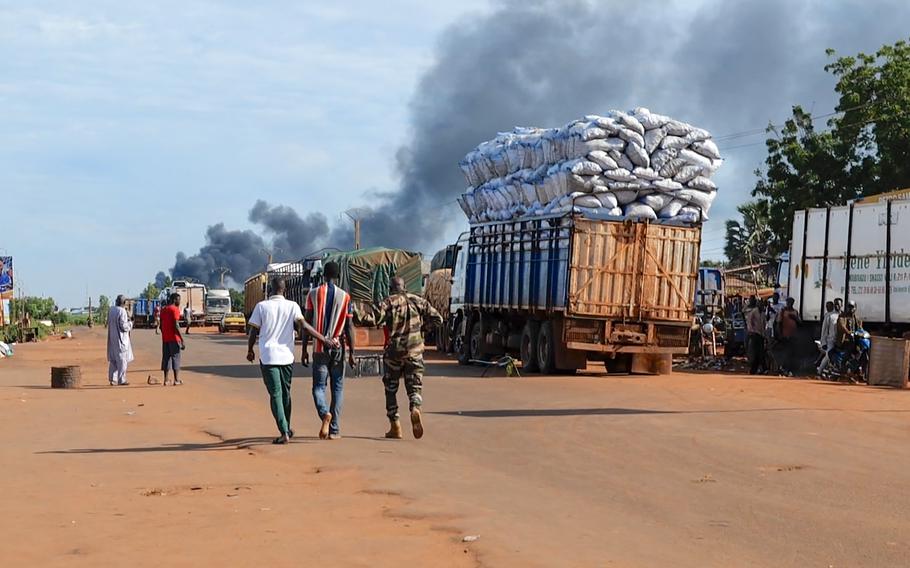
[538,412]
[530,412]
[230,444]
[246,371]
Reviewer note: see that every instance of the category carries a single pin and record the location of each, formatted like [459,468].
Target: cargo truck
[217,303]
[564,290]
[144,312]
[192,295]
[859,252]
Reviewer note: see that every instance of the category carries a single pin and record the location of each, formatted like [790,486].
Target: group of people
[772,329]
[120,346]
[275,325]
[328,319]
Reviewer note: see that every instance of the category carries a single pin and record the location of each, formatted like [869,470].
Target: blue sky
[126,128]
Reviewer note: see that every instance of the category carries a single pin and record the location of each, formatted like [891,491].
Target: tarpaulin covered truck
[858,252]
[563,290]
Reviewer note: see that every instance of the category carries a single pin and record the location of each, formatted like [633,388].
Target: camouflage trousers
[409,367]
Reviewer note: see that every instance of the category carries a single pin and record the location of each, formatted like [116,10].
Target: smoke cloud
[244,253]
[725,66]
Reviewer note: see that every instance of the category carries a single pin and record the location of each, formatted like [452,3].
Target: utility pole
[356,215]
[222,270]
[268,254]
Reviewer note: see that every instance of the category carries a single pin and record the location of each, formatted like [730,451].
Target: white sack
[639,211]
[671,209]
[653,138]
[638,155]
[702,183]
[603,160]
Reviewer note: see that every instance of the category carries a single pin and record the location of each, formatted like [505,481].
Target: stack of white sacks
[636,165]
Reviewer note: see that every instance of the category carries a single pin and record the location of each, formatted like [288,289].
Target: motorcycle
[850,362]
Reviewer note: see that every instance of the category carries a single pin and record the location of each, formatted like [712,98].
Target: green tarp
[366,273]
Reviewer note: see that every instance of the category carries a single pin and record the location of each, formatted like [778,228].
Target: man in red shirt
[171,340]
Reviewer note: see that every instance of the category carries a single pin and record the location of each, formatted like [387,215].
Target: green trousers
[277,379]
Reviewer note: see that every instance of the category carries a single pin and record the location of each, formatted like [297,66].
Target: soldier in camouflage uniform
[404,314]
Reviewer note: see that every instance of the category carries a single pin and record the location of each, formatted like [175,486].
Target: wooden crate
[889,362]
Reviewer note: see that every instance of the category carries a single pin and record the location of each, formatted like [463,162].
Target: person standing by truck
[329,311]
[788,322]
[755,330]
[405,315]
[188,318]
[828,337]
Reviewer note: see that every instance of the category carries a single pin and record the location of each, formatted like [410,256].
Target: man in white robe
[119,346]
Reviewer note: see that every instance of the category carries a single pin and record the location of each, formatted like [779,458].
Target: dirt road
[686,470]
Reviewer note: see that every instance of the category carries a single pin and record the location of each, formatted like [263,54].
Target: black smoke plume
[245,253]
[730,67]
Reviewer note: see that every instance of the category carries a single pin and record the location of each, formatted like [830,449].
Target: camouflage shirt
[404,315]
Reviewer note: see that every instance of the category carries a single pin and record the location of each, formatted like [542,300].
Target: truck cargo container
[192,295]
[564,290]
[859,252]
[254,290]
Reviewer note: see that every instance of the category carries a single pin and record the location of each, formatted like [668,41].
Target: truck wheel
[529,338]
[546,349]
[475,343]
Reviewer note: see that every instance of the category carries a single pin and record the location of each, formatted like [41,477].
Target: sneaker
[335,436]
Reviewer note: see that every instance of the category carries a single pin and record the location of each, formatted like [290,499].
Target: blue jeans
[325,370]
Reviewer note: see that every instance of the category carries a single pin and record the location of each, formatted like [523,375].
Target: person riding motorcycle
[847,324]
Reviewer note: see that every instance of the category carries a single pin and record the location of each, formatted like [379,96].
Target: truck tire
[474,347]
[529,338]
[546,349]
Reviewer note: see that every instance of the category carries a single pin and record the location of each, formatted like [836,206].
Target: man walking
[172,343]
[188,317]
[328,309]
[755,337]
[119,346]
[828,338]
[404,314]
[272,324]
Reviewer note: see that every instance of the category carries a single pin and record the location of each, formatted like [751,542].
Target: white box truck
[217,303]
[859,252]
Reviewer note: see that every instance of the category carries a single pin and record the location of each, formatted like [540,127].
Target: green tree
[36,308]
[151,292]
[104,305]
[237,300]
[873,127]
[864,151]
[750,240]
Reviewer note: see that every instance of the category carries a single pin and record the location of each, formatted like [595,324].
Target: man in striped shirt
[329,311]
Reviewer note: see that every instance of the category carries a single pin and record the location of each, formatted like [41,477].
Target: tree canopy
[865,150]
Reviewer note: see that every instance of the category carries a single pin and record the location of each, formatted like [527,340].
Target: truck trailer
[859,252]
[563,290]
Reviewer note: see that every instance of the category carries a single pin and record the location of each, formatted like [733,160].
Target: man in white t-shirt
[273,323]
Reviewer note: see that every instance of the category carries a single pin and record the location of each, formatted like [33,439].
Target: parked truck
[144,312]
[217,303]
[859,252]
[563,290]
[192,295]
[254,290]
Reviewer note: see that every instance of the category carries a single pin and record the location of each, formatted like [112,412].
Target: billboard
[6,277]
